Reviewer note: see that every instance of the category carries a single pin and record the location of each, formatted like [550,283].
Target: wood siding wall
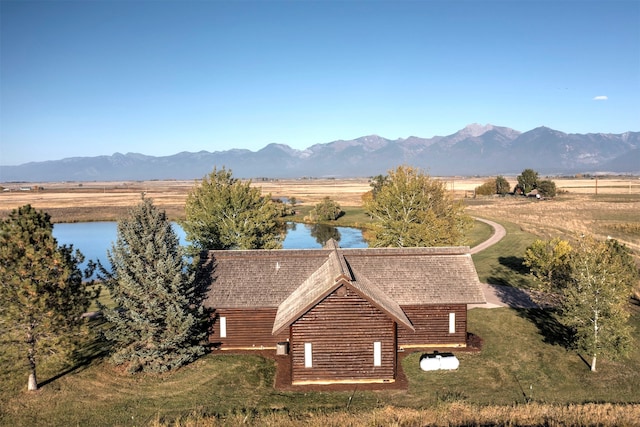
[246,329]
[432,326]
[342,330]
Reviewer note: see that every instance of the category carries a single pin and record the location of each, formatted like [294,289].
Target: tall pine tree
[157,324]
[42,290]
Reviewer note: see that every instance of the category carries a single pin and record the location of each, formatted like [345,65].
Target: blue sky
[87,78]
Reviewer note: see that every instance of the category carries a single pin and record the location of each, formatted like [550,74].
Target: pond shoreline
[94,238]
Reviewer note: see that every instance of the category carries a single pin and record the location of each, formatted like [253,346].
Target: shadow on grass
[585,361]
[514,297]
[550,328]
[514,263]
[510,272]
[98,348]
[498,280]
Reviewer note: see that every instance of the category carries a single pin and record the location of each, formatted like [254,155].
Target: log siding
[432,326]
[353,309]
[245,329]
[342,330]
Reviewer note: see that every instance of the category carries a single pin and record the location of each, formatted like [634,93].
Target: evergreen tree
[225,213]
[157,323]
[41,288]
[412,209]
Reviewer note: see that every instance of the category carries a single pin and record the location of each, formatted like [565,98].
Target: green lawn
[519,363]
[501,264]
[478,233]
[522,362]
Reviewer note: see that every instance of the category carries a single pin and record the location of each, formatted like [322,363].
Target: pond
[94,238]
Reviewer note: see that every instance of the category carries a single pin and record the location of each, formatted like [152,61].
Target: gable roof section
[418,276]
[258,278]
[375,295]
[332,274]
[319,284]
[407,276]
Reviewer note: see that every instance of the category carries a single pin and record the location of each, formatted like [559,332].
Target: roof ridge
[307,293]
[418,250]
[376,295]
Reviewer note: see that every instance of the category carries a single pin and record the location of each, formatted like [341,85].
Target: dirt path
[498,233]
[496,295]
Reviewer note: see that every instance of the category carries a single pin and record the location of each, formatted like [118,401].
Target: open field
[96,201]
[568,215]
[93,201]
[523,376]
[613,211]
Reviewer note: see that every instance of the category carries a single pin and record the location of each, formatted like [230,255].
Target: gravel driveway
[497,295]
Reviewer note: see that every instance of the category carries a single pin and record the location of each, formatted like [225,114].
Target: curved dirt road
[496,295]
[498,233]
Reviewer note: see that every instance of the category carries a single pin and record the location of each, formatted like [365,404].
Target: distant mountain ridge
[474,150]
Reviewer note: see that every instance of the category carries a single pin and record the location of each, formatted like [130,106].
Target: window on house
[308,355]
[377,353]
[452,323]
[223,327]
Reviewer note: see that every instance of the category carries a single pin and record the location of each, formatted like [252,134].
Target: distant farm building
[534,193]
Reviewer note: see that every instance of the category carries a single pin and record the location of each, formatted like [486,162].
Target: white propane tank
[434,362]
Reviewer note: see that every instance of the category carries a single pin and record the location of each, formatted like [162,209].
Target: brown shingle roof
[333,273]
[421,275]
[377,296]
[407,276]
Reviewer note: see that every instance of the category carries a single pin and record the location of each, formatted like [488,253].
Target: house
[341,315]
[534,193]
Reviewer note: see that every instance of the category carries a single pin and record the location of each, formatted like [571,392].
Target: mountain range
[474,150]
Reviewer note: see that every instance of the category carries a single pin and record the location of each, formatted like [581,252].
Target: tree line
[527,181]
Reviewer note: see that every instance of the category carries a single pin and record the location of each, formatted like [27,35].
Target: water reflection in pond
[308,236]
[94,238]
[324,232]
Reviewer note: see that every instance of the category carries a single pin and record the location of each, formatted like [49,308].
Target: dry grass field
[95,201]
[607,206]
[99,201]
[605,215]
